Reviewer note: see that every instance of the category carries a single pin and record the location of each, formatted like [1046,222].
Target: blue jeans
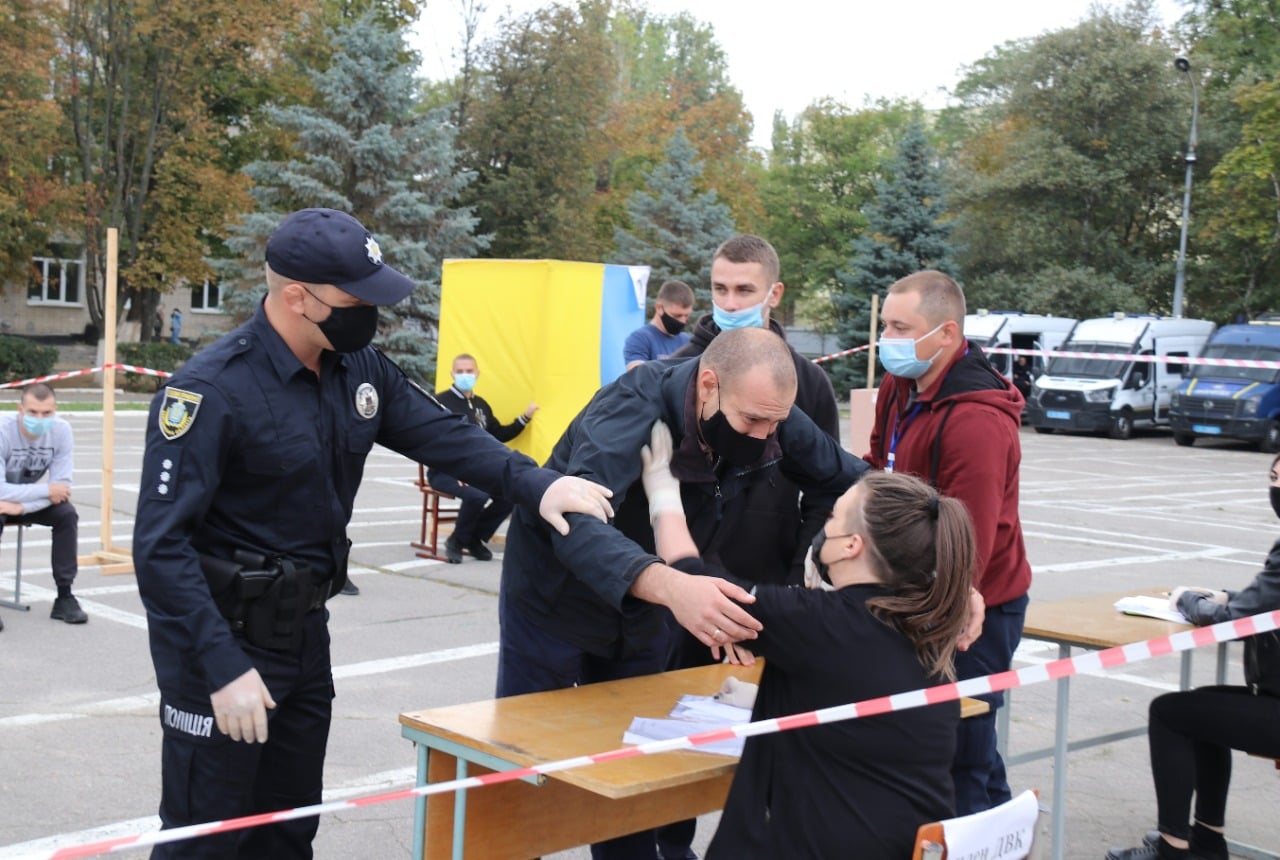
[531,660]
[978,771]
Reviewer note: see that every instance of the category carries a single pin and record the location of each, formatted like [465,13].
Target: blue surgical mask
[898,355]
[464,381]
[36,426]
[752,317]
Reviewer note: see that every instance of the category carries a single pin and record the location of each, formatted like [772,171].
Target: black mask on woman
[349,329]
[1275,500]
[737,449]
[671,324]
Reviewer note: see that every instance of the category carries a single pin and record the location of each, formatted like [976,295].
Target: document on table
[1150,607]
[691,715]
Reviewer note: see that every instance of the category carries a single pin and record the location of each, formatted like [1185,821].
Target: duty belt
[265,597]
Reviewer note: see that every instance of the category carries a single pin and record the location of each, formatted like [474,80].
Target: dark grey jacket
[1261,652]
[575,587]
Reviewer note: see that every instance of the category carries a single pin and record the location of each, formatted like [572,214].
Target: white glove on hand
[660,486]
[739,694]
[811,577]
[240,708]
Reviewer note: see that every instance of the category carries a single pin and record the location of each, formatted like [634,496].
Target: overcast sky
[785,55]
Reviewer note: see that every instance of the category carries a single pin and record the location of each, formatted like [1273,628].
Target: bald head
[736,354]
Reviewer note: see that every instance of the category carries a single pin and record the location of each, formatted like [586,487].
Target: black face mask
[671,324]
[349,329]
[737,449]
[1275,500]
[824,569]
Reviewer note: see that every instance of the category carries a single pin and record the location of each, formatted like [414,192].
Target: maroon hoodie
[962,437]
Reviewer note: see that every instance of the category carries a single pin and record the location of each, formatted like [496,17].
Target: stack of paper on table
[1150,607]
[691,715]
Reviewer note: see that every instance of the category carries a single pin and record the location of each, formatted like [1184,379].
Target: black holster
[264,597]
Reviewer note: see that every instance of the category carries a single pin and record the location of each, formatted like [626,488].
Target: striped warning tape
[1067,667]
[53,377]
[1099,356]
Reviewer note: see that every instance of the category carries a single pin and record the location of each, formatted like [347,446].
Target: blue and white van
[1115,395]
[1233,402]
[1016,330]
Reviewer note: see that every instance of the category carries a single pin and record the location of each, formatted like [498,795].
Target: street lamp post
[1183,65]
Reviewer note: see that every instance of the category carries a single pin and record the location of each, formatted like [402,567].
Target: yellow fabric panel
[534,329]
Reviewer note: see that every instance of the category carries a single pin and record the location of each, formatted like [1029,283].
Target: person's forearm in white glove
[666,512]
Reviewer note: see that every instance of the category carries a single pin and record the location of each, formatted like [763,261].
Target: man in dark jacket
[779,523]
[479,514]
[946,416]
[581,609]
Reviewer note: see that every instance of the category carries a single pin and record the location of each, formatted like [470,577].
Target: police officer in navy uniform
[254,453]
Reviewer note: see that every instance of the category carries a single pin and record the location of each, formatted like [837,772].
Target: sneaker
[1157,850]
[452,550]
[350,587]
[479,551]
[68,609]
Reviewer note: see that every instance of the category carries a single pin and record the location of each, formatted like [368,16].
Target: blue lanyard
[900,427]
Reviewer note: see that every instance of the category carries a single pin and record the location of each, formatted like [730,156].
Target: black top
[477,410]
[855,788]
[248,448]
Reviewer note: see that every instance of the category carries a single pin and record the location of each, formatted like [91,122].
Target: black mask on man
[349,329]
[671,324]
[737,449]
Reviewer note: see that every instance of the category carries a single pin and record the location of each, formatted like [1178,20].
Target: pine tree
[905,234]
[364,149]
[675,228]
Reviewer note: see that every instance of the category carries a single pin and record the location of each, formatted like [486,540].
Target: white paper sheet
[1150,607]
[690,716]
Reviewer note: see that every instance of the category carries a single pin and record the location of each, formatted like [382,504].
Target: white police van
[1016,330]
[1115,395]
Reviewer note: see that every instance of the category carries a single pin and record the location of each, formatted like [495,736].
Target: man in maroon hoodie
[946,416]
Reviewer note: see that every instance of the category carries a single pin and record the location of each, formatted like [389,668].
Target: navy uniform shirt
[247,448]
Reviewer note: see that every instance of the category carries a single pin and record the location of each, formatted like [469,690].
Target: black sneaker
[452,551]
[68,609]
[479,551]
[1157,850]
[350,588]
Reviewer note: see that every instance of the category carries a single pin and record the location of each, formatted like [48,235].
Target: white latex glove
[660,485]
[572,495]
[812,579]
[1218,597]
[739,694]
[240,708]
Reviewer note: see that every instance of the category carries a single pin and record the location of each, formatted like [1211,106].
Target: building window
[55,281]
[206,297]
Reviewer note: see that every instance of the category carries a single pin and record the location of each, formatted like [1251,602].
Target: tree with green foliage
[154,125]
[366,150]
[1071,158]
[1233,264]
[906,232]
[675,226]
[823,171]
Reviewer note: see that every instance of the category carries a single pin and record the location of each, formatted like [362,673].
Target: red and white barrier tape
[1100,356]
[128,368]
[1058,669]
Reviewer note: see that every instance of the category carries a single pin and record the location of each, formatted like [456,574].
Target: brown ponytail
[922,546]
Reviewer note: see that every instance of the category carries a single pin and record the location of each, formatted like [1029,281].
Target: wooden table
[1092,623]
[544,814]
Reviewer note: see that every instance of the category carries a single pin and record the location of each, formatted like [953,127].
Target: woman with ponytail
[898,561]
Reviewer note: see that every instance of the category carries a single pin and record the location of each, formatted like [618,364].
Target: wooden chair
[432,516]
[1002,828]
[17,603]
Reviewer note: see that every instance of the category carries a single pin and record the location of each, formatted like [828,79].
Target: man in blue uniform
[254,454]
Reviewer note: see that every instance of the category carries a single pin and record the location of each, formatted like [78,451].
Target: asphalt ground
[80,739]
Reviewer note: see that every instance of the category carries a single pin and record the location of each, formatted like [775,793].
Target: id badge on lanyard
[898,431]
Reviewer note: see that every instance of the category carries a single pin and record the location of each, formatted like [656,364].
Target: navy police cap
[325,246]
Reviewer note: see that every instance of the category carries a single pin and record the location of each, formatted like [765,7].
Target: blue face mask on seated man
[36,426]
[464,381]
[898,355]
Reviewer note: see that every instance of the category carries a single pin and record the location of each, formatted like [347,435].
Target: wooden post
[112,559]
[871,342]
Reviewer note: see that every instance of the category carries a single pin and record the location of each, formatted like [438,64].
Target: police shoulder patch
[178,412]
